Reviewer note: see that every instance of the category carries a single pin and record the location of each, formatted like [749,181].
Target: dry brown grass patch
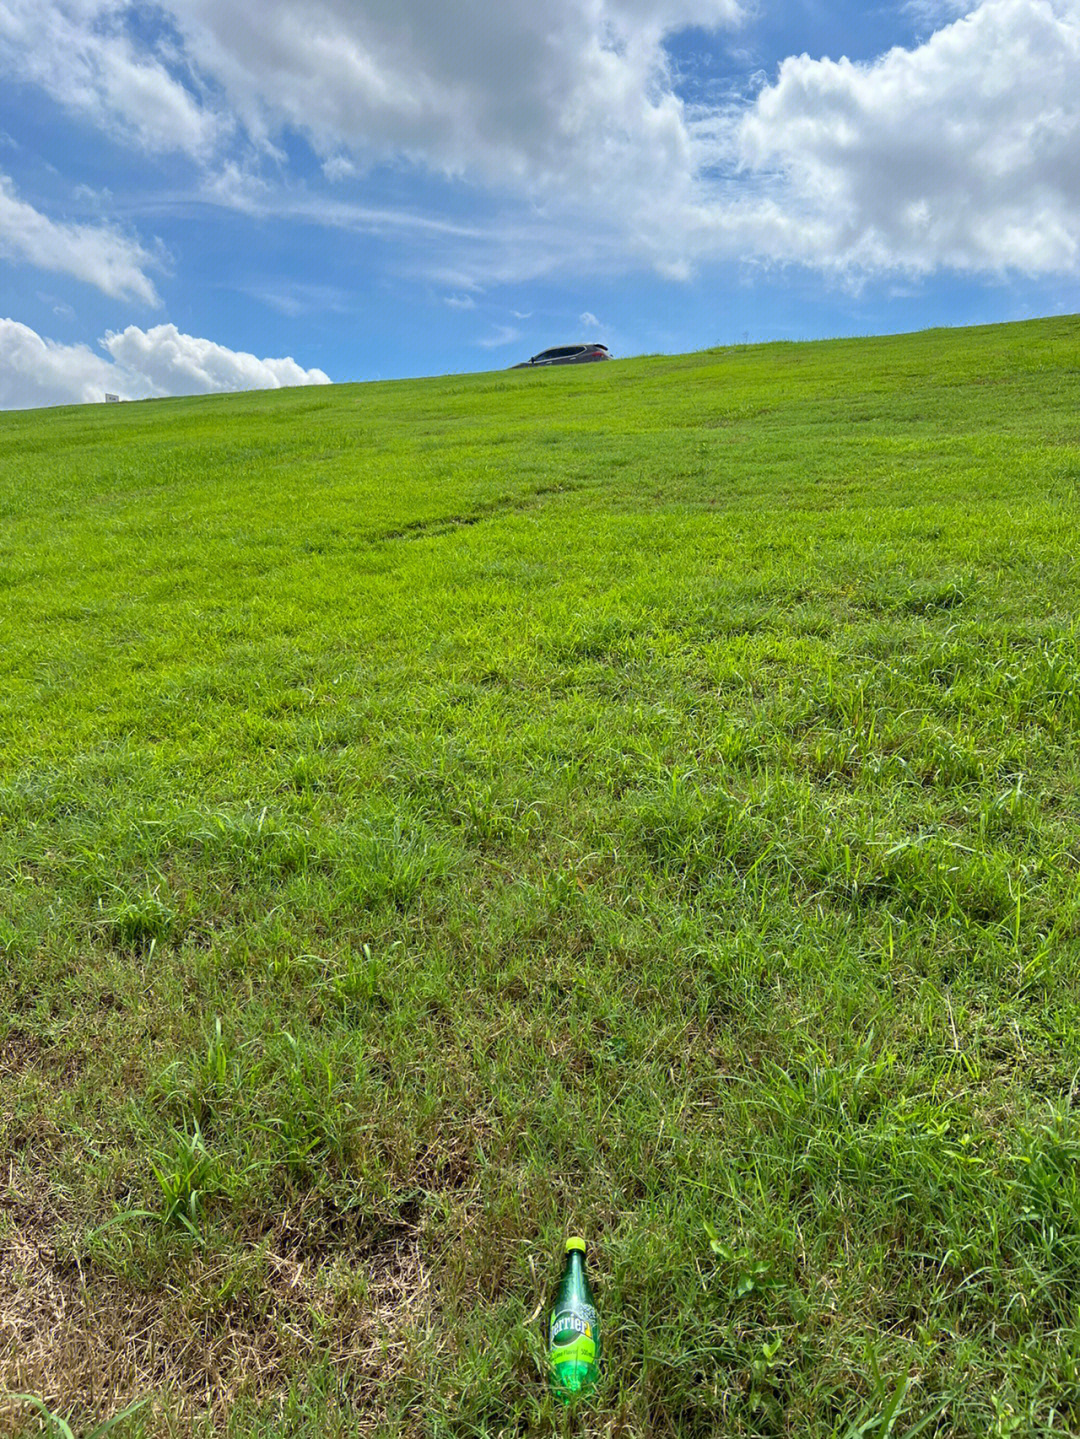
[248,1324]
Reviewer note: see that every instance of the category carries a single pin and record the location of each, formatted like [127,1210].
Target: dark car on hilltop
[565,355]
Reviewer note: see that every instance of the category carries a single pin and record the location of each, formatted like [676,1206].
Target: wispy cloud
[294,298]
[501,335]
[338,167]
[933,13]
[239,187]
[99,255]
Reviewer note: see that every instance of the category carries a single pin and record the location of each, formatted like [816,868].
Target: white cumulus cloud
[36,372]
[510,92]
[563,105]
[136,364]
[959,151]
[170,363]
[99,255]
[963,152]
[91,59]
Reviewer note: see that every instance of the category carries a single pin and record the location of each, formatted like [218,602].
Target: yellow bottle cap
[575,1242]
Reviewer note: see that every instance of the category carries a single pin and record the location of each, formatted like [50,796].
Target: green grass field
[637,799]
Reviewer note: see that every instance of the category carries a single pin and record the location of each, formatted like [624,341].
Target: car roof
[569,349]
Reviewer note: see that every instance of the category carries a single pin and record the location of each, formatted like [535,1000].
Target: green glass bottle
[574,1333]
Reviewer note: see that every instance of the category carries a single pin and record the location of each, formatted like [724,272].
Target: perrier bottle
[574,1334]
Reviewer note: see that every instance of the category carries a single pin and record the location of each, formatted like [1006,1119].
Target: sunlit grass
[642,801]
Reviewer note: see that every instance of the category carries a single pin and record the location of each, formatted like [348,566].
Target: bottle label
[573,1336]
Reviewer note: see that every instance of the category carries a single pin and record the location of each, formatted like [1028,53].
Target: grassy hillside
[635,799]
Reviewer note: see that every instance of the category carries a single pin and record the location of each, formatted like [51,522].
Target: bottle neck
[575,1263]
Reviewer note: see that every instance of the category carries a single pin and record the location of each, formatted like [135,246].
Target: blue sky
[205,194]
